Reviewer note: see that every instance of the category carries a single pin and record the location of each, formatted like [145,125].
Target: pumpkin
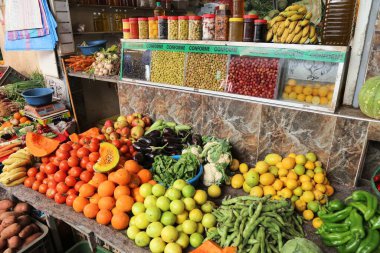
[369,98]
[74,137]
[39,145]
[109,157]
[92,132]
[208,247]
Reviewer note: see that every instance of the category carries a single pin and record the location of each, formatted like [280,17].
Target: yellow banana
[269,35]
[16,170]
[16,165]
[13,160]
[312,32]
[314,39]
[296,17]
[14,177]
[308,15]
[292,25]
[298,28]
[302,10]
[275,38]
[293,8]
[287,22]
[20,156]
[304,22]
[285,35]
[303,40]
[290,37]
[16,182]
[287,14]
[275,27]
[305,31]
[297,37]
[281,29]
[278,19]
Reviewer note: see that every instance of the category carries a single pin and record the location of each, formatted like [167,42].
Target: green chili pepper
[334,227]
[336,239]
[375,222]
[351,246]
[335,205]
[369,243]
[356,221]
[335,217]
[370,200]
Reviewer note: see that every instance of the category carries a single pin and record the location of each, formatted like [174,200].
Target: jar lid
[133,19]
[173,18]
[125,20]
[236,19]
[143,19]
[208,16]
[152,18]
[252,16]
[183,17]
[195,17]
[126,30]
[260,21]
[162,17]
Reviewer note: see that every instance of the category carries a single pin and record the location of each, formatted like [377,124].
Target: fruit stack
[14,171]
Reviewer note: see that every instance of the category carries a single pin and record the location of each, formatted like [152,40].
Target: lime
[142,221]
[214,191]
[169,234]
[132,231]
[200,228]
[177,206]
[142,239]
[208,220]
[138,208]
[183,240]
[154,229]
[153,213]
[313,206]
[273,170]
[189,203]
[163,203]
[252,178]
[158,190]
[168,218]
[179,184]
[173,194]
[300,159]
[188,191]
[196,215]
[157,245]
[208,207]
[200,197]
[150,201]
[132,221]
[318,170]
[179,228]
[298,191]
[189,227]
[182,217]
[196,240]
[145,190]
[294,198]
[311,157]
[173,248]
[299,169]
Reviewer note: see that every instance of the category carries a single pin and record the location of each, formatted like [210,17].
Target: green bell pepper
[370,243]
[370,200]
[335,205]
[335,217]
[356,221]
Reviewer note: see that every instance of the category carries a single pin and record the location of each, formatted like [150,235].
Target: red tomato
[94,156]
[36,185]
[50,177]
[117,143]
[72,191]
[51,158]
[76,146]
[52,184]
[28,182]
[128,142]
[78,185]
[40,176]
[62,187]
[84,162]
[86,176]
[65,147]
[90,166]
[59,198]
[73,153]
[82,152]
[73,161]
[84,140]
[131,149]
[124,149]
[64,165]
[56,161]
[70,199]
[70,181]
[59,176]
[45,181]
[42,167]
[43,188]
[45,159]
[50,168]
[63,155]
[101,137]
[75,171]
[32,172]
[50,193]
[95,140]
[94,147]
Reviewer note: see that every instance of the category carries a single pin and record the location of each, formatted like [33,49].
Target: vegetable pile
[106,62]
[79,62]
[352,226]
[254,224]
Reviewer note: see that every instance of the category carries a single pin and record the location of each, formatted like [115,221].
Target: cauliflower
[213,174]
[195,150]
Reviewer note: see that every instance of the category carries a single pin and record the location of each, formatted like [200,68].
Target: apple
[130,118]
[137,115]
[138,122]
[120,124]
[125,131]
[103,130]
[147,120]
[109,130]
[117,143]
[137,132]
[114,136]
[121,119]
[107,136]
[118,130]
[108,123]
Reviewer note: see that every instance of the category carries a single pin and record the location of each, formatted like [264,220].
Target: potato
[21,208]
[9,250]
[14,242]
[24,220]
[6,214]
[6,204]
[8,221]
[28,230]
[3,244]
[10,231]
[31,238]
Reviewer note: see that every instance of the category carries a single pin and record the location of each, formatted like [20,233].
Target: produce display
[167,67]
[107,62]
[14,170]
[369,97]
[79,62]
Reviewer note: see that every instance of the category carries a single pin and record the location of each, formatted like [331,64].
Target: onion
[100,65]
[105,72]
[108,66]
[101,56]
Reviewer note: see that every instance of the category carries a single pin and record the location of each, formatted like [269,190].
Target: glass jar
[221,23]
[208,27]
[105,17]
[237,8]
[236,29]
[144,3]
[153,28]
[183,28]
[249,27]
[173,28]
[143,28]
[260,30]
[163,27]
[126,30]
[195,28]
[152,4]
[133,28]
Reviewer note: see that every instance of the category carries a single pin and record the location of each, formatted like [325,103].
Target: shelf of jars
[292,75]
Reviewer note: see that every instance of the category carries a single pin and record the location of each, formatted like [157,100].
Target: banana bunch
[14,171]
[292,26]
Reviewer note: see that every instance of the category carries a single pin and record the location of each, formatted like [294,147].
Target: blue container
[93,46]
[38,96]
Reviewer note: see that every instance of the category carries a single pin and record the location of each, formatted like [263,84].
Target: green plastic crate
[84,247]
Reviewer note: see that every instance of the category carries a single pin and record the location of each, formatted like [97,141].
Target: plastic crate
[84,247]
[42,244]
[10,76]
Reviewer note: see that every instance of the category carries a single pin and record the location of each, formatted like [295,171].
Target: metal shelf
[96,33]
[120,7]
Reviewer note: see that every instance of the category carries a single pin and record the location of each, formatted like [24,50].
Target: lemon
[261,167]
[292,95]
[298,191]
[310,156]
[273,170]
[288,89]
[323,200]
[301,97]
[316,100]
[323,91]
[272,159]
[307,90]
[237,181]
[315,92]
[324,101]
[307,196]
[269,190]
[276,197]
[200,197]
[256,191]
[278,184]
[234,165]
[291,183]
[318,164]
[288,163]
[279,165]
[310,173]
[214,191]
[292,82]
[267,179]
[300,205]
[308,214]
[246,187]
[304,178]
[284,180]
[307,186]
[286,193]
[330,95]
[309,165]
[243,167]
[319,178]
[318,195]
[292,175]
[317,222]
[292,155]
[299,169]
[308,99]
[320,187]
[282,172]
[300,159]
[298,89]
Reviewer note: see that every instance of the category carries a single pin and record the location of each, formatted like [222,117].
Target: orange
[137,196]
[17,115]
[23,120]
[329,190]
[87,190]
[97,179]
[121,190]
[125,203]
[122,177]
[106,203]
[144,175]
[111,177]
[79,204]
[95,198]
[106,189]
[115,211]
[120,221]
[135,181]
[104,217]
[152,182]
[132,166]
[90,210]
[288,163]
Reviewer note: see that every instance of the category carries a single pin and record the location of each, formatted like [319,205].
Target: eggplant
[183,133]
[139,157]
[197,140]
[151,141]
[149,156]
[172,140]
[174,147]
[140,147]
[6,136]
[154,134]
[169,131]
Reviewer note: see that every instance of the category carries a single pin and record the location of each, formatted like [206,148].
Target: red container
[133,28]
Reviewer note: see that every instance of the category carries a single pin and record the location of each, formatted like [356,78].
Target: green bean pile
[255,224]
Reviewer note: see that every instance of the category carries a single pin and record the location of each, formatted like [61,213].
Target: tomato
[59,198]
[101,137]
[36,185]
[59,176]
[128,156]
[84,162]
[51,158]
[45,181]
[76,146]
[95,141]
[28,182]
[78,185]
[73,161]
[84,140]
[82,152]
[90,166]
[63,155]
[72,191]
[131,149]
[40,176]
[50,177]
[75,171]
[86,176]
[64,165]
[94,156]
[43,188]
[124,149]
[50,168]
[45,159]
[70,181]
[73,153]
[62,187]
[52,184]
[117,143]
[94,147]
[42,167]
[66,147]
[56,161]
[70,199]
[50,193]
